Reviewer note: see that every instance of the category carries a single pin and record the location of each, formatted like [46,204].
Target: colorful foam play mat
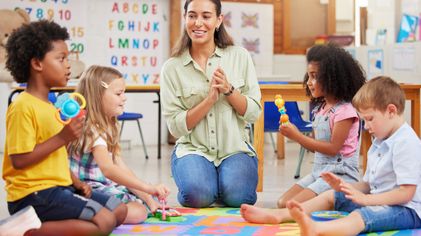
[220,221]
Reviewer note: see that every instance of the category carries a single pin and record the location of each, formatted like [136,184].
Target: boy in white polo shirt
[388,197]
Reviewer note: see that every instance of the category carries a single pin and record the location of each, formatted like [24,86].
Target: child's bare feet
[259,215]
[307,225]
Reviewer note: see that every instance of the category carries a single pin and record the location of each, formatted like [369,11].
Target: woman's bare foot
[307,225]
[259,215]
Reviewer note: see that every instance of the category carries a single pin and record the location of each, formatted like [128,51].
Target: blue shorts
[62,203]
[380,218]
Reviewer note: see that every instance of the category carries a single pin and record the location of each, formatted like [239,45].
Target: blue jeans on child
[61,203]
[200,183]
[380,218]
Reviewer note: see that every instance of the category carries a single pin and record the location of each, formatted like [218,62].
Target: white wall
[396,65]
[295,65]
[344,16]
[292,65]
[383,14]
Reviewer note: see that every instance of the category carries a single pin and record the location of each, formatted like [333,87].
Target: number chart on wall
[64,12]
[135,40]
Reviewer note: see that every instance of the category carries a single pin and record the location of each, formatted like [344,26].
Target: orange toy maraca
[279,102]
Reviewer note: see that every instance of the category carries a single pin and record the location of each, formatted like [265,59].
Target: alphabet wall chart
[135,40]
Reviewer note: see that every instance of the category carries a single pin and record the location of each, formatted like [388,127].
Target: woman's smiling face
[202,21]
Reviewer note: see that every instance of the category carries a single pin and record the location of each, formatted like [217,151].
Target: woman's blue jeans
[200,183]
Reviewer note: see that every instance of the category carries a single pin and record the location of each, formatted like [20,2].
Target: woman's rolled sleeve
[251,92]
[177,124]
[172,109]
[253,110]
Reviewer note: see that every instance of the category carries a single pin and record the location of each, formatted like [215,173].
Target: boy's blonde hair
[378,93]
[97,123]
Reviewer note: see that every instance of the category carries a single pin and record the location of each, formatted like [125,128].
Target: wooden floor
[278,174]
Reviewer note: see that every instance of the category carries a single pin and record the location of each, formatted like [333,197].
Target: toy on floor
[68,107]
[328,215]
[165,213]
[280,103]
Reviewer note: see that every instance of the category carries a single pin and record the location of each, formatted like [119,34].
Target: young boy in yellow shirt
[35,165]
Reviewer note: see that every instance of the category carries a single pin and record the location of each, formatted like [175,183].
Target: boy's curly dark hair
[30,41]
[340,75]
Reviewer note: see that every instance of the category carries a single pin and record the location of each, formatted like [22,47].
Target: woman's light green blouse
[222,132]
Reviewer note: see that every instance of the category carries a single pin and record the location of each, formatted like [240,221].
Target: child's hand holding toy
[160,191]
[165,213]
[285,127]
[73,116]
[280,103]
[68,107]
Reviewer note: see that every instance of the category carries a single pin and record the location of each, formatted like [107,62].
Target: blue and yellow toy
[68,107]
[328,215]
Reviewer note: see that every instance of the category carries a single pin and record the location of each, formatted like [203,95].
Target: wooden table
[296,92]
[129,89]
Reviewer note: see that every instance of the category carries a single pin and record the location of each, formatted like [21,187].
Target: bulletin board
[176,13]
[295,22]
[267,19]
[128,35]
[251,26]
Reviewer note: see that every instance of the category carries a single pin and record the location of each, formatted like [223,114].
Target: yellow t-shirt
[31,121]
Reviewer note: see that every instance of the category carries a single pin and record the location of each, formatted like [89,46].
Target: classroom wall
[289,67]
[383,14]
[292,65]
[399,61]
[97,51]
[345,16]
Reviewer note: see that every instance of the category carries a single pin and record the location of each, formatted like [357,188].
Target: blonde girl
[95,157]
